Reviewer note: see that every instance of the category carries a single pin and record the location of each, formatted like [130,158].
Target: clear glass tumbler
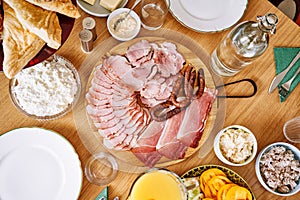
[291,130]
[101,168]
[153,13]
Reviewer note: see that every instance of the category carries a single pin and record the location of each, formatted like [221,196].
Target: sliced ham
[118,69]
[168,59]
[196,114]
[138,51]
[145,150]
[168,144]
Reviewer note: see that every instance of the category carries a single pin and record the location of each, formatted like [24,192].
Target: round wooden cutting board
[190,57]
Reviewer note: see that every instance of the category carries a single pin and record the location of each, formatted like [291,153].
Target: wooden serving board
[190,57]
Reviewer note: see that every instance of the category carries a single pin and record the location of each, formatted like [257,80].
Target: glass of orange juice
[158,184]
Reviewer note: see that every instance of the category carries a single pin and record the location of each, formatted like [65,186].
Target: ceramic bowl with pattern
[234,177]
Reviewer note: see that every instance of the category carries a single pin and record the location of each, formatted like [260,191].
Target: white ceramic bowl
[287,146]
[220,154]
[132,33]
[17,101]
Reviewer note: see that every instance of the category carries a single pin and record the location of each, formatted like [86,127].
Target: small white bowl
[112,17]
[287,146]
[219,153]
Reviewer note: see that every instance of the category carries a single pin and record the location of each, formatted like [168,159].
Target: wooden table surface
[262,113]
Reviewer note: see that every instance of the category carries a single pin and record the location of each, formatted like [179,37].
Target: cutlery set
[285,87]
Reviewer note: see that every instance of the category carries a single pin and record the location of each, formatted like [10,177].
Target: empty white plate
[208,16]
[38,164]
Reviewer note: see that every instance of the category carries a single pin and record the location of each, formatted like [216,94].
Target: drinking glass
[101,168]
[153,13]
[291,130]
[151,183]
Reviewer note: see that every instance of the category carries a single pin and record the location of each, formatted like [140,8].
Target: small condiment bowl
[237,130]
[114,16]
[16,100]
[259,174]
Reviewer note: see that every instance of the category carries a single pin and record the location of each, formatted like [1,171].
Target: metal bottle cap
[86,38]
[90,24]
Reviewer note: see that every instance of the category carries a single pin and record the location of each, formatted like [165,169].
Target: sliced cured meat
[144,71]
[168,59]
[111,132]
[137,51]
[97,111]
[118,68]
[168,144]
[94,101]
[196,114]
[145,150]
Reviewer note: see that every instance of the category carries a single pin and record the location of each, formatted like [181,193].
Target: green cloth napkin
[103,193]
[283,57]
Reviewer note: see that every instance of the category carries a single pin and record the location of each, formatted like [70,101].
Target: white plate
[38,164]
[96,9]
[208,16]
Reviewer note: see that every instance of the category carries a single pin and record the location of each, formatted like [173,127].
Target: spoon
[123,18]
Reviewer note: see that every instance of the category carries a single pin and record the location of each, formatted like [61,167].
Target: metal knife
[278,78]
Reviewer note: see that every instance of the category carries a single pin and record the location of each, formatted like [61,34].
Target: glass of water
[153,13]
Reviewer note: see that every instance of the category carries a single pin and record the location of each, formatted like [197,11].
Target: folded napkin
[283,57]
[103,193]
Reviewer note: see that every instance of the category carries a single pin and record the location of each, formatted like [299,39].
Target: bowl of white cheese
[235,145]
[47,90]
[126,29]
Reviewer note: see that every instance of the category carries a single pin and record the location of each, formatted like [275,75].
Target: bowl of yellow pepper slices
[215,182]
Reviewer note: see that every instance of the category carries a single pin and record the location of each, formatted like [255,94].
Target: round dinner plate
[208,16]
[97,10]
[38,164]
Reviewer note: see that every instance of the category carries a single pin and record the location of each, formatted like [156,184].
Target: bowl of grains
[47,90]
[235,145]
[277,168]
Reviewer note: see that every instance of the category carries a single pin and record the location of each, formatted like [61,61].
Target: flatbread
[19,45]
[39,21]
[65,7]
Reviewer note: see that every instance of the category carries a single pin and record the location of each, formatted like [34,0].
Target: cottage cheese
[45,89]
[236,145]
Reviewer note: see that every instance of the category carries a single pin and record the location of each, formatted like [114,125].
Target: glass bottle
[243,44]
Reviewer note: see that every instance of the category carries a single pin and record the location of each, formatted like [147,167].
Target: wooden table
[263,113]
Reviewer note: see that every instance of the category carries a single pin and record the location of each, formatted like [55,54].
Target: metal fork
[285,87]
